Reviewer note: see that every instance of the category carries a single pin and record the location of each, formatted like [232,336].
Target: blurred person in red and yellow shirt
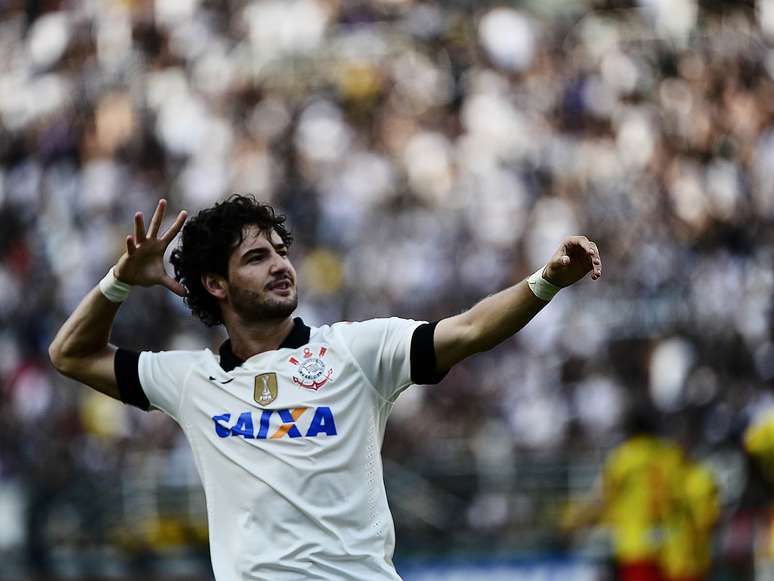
[686,554]
[660,507]
[637,482]
[759,444]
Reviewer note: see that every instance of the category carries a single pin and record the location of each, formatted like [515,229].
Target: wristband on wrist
[540,287]
[114,290]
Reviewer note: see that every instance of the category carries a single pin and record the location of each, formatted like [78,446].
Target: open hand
[143,262]
[575,258]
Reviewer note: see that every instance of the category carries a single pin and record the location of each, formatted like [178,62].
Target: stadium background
[427,154]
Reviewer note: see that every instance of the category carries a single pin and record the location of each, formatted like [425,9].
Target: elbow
[57,358]
[54,354]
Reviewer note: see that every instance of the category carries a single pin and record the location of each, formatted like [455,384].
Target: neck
[253,338]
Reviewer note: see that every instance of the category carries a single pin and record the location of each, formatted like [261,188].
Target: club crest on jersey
[312,371]
[266,388]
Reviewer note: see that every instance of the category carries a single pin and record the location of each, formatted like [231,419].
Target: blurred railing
[152,524]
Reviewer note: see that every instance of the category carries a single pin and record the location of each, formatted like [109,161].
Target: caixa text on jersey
[276,424]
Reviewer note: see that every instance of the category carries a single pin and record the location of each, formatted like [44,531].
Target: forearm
[487,324]
[86,331]
[500,316]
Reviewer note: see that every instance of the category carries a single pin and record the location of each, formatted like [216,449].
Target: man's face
[261,279]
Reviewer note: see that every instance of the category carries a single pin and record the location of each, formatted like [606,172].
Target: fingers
[596,262]
[580,245]
[140,234]
[158,216]
[131,248]
[139,228]
[174,228]
[592,253]
[173,285]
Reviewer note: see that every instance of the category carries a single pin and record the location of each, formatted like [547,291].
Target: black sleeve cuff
[126,366]
[423,363]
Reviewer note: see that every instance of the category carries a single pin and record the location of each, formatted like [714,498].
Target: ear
[215,284]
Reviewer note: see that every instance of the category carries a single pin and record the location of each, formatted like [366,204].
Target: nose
[279,264]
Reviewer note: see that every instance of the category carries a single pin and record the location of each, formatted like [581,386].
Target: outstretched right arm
[81,349]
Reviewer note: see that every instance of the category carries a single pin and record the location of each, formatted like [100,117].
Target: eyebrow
[263,250]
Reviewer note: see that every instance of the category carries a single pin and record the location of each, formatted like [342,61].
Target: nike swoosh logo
[222,382]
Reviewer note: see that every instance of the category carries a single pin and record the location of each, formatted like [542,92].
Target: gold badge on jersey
[265,388]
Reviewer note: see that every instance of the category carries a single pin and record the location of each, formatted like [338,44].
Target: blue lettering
[263,428]
[322,422]
[288,424]
[244,426]
[221,430]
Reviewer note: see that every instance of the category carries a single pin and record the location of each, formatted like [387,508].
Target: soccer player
[286,421]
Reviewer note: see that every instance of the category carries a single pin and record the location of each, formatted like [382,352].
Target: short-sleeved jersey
[287,443]
[687,550]
[759,442]
[639,478]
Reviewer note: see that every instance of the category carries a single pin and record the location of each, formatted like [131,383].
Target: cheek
[249,276]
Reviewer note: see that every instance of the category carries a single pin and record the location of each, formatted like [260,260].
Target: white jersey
[287,444]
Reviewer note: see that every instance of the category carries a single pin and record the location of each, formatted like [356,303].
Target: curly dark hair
[207,242]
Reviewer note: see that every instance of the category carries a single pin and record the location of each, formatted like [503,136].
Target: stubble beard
[255,307]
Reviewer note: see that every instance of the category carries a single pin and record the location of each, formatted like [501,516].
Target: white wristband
[114,290]
[540,287]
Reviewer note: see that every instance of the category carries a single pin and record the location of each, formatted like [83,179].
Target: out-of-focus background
[427,153]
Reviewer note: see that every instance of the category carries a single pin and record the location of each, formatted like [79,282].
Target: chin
[279,309]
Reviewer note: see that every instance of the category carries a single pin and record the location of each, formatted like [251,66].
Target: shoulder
[373,327]
[188,355]
[628,455]
[182,359]
[759,435]
[152,378]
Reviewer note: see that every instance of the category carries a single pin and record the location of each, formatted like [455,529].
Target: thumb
[173,285]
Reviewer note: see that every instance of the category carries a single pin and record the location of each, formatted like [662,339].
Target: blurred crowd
[427,154]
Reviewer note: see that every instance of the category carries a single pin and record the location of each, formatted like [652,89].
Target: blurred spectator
[689,523]
[659,505]
[638,484]
[759,443]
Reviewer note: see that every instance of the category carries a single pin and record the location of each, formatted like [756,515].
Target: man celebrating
[286,422]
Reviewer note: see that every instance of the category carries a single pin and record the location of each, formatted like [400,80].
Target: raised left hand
[575,258]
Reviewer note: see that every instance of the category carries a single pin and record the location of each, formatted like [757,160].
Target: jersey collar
[298,336]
